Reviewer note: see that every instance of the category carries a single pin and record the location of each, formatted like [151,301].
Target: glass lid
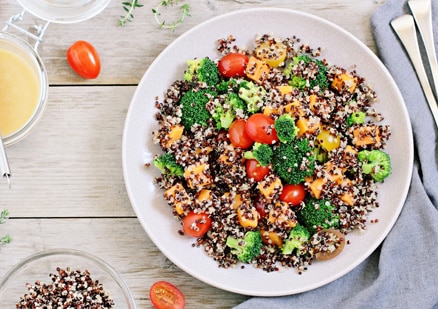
[64,11]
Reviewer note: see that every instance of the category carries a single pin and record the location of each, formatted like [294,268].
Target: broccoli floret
[227,85]
[318,214]
[224,114]
[376,163]
[293,161]
[321,154]
[260,152]
[193,104]
[298,236]
[166,163]
[247,248]
[298,82]
[285,127]
[320,79]
[356,118]
[203,70]
[252,95]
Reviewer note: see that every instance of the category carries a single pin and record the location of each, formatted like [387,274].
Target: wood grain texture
[67,185]
[123,244]
[126,52]
[71,164]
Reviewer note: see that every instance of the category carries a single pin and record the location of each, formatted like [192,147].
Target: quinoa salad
[67,288]
[270,155]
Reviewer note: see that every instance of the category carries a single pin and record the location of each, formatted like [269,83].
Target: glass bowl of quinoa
[64,278]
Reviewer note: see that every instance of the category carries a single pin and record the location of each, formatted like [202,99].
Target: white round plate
[340,48]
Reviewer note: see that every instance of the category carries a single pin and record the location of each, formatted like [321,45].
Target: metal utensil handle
[422,12]
[4,164]
[405,28]
[40,29]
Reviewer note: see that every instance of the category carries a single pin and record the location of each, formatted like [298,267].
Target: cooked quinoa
[206,148]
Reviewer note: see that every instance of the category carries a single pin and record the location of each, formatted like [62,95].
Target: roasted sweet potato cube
[178,198]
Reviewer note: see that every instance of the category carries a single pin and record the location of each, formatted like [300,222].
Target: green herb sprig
[4,215]
[129,8]
[185,12]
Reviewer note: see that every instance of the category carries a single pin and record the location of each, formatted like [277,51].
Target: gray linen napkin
[403,271]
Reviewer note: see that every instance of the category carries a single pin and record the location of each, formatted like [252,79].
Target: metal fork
[404,26]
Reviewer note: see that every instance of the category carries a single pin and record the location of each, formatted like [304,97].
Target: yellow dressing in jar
[19,91]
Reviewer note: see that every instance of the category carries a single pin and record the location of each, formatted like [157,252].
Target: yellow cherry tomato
[273,53]
[328,141]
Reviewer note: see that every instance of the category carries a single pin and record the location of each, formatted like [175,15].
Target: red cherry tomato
[260,128]
[196,224]
[233,65]
[238,136]
[84,59]
[255,170]
[165,295]
[260,206]
[293,194]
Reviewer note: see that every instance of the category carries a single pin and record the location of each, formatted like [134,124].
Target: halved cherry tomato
[196,224]
[328,141]
[165,295]
[233,65]
[260,128]
[337,241]
[84,59]
[238,136]
[255,170]
[293,194]
[260,206]
[273,54]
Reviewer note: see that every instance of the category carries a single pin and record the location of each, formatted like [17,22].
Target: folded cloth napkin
[403,271]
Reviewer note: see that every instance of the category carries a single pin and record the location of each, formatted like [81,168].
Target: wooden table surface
[67,184]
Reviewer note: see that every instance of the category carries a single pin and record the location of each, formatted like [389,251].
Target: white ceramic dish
[340,48]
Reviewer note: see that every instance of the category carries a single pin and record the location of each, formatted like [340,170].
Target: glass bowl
[40,265]
[27,54]
[64,11]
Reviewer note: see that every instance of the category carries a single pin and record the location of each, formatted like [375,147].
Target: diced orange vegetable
[335,174]
[295,109]
[312,101]
[177,197]
[197,176]
[284,89]
[366,135]
[247,216]
[349,149]
[176,132]
[268,111]
[227,155]
[344,80]
[237,201]
[270,186]
[204,150]
[203,195]
[347,198]
[269,237]
[282,215]
[305,125]
[315,186]
[257,70]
